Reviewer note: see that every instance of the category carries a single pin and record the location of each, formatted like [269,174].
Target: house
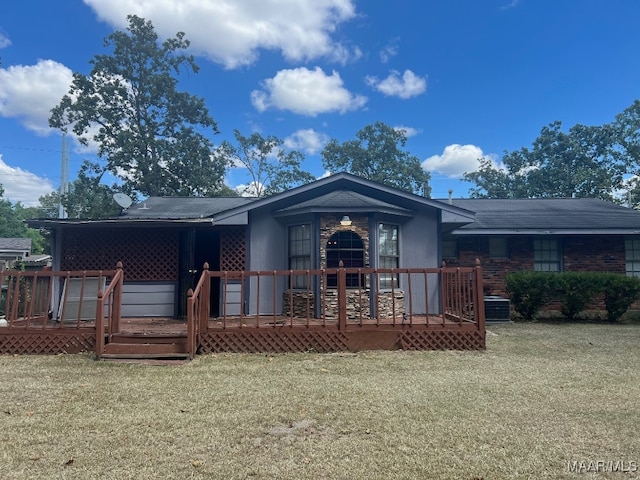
[12,250]
[551,235]
[341,263]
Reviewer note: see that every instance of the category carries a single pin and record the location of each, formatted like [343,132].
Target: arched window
[348,247]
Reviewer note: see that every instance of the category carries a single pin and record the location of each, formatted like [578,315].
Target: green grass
[541,395]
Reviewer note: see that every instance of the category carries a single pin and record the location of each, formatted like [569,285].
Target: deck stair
[147,348]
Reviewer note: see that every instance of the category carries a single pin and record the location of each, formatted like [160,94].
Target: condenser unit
[497,309]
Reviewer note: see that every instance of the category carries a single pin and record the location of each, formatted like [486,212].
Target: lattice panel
[146,253]
[232,250]
[442,340]
[47,343]
[273,342]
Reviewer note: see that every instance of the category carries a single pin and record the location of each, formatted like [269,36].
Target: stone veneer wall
[358,304]
[330,224]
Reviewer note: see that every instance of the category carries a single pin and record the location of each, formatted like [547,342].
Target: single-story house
[340,263]
[343,263]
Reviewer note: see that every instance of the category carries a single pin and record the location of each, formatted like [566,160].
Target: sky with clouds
[465,79]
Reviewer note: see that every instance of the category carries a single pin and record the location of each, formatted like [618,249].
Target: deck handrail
[112,295]
[29,297]
[197,305]
[460,295]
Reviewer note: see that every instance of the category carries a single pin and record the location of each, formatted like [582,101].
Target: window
[449,249]
[388,256]
[632,256]
[546,255]
[299,252]
[498,247]
[348,247]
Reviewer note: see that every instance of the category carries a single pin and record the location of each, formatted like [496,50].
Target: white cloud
[232,32]
[308,141]
[389,51]
[410,85]
[4,41]
[306,92]
[457,159]
[28,93]
[23,186]
[408,131]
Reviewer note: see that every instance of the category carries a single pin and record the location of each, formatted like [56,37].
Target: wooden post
[191,324]
[117,298]
[479,300]
[205,299]
[342,296]
[100,324]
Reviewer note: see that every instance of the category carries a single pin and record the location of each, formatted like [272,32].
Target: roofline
[344,176]
[51,223]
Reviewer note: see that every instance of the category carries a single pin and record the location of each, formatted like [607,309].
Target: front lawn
[544,399]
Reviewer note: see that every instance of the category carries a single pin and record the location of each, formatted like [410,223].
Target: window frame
[305,241]
[632,256]
[502,250]
[385,280]
[542,254]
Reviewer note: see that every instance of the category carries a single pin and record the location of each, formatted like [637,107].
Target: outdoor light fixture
[346,221]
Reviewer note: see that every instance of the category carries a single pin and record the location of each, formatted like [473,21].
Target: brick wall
[595,253]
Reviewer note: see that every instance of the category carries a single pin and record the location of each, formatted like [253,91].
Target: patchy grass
[542,395]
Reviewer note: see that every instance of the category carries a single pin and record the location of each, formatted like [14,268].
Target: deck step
[146,359]
[145,348]
[122,338]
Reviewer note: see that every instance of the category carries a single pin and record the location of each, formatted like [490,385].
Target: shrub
[619,293]
[529,291]
[576,291]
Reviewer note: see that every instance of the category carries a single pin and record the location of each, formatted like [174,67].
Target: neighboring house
[550,235]
[12,250]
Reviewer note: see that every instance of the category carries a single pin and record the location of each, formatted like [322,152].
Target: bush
[576,291]
[529,291]
[619,293]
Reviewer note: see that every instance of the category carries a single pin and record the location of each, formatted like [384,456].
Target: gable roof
[15,244]
[338,200]
[321,190]
[548,216]
[339,192]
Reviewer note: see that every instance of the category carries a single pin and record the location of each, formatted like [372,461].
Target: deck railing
[44,299]
[109,309]
[342,297]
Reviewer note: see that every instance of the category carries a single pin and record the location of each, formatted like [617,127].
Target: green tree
[270,167]
[377,154]
[88,197]
[627,130]
[12,223]
[583,162]
[149,133]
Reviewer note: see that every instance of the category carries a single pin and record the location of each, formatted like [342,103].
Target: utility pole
[64,175]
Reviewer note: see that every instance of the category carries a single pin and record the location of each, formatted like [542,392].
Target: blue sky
[464,78]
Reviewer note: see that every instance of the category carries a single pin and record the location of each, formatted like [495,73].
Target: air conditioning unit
[497,309]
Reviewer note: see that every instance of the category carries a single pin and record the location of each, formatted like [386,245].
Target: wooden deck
[460,325]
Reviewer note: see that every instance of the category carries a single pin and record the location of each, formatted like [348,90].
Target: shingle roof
[548,215]
[183,207]
[342,199]
[15,244]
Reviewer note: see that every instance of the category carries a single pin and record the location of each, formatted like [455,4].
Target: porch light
[346,221]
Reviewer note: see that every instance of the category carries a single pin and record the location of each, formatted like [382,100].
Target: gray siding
[267,249]
[419,248]
[148,299]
